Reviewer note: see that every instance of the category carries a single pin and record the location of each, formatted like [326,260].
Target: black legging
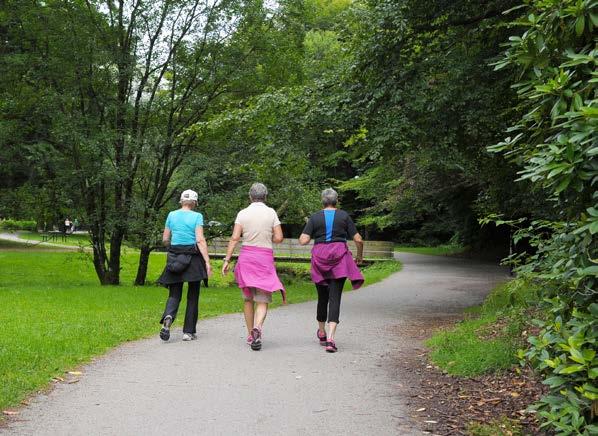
[329,300]
[174,299]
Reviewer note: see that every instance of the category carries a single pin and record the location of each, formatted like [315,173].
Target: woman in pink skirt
[259,227]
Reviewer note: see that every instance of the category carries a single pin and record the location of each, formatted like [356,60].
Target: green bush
[565,354]
[9,224]
[555,143]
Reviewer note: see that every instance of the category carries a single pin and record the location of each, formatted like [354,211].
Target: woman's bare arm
[277,236]
[232,243]
[166,237]
[304,239]
[203,248]
[359,243]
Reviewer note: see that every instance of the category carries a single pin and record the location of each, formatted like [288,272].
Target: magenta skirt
[334,260]
[255,269]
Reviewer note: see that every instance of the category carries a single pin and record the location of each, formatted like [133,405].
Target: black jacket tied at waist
[184,263]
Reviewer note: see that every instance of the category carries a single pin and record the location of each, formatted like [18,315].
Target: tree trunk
[144,255]
[113,273]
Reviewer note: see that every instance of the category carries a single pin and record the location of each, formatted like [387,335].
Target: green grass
[498,427]
[76,240]
[489,341]
[440,250]
[55,316]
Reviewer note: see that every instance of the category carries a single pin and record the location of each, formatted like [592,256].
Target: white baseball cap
[189,194]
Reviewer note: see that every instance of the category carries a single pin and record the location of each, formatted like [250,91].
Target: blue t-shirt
[182,224]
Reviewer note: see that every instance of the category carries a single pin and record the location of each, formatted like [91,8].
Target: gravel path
[218,386]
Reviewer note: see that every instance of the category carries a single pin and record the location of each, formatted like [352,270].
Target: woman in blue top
[187,261]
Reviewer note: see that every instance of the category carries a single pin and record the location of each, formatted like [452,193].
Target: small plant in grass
[498,427]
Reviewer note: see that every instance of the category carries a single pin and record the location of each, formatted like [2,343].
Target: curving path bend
[218,386]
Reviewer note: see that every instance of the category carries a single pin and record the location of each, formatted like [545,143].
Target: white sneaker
[189,336]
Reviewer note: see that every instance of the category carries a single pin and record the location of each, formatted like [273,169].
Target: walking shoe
[189,336]
[256,343]
[165,330]
[249,339]
[331,347]
[321,337]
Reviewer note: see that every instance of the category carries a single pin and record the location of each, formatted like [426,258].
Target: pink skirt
[334,260]
[255,269]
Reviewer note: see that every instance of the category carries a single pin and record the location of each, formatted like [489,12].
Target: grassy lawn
[440,250]
[489,339]
[75,240]
[55,316]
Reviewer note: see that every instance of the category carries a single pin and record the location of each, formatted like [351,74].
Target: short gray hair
[329,197]
[258,192]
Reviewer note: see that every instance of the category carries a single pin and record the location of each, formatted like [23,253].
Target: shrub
[10,224]
[555,143]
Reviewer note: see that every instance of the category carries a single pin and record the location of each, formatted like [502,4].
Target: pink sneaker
[249,339]
[331,347]
[321,337]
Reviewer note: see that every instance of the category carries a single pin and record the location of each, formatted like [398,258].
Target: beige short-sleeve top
[257,221]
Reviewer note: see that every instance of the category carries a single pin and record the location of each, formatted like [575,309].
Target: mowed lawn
[55,316]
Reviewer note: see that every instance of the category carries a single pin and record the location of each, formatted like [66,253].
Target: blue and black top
[330,225]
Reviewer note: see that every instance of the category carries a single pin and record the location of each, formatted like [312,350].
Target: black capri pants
[192,310]
[329,300]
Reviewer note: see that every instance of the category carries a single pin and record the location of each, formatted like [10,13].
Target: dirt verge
[443,404]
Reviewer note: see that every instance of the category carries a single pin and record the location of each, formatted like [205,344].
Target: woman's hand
[225,266]
[359,260]
[209,269]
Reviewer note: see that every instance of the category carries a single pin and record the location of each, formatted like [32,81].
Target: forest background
[466,122]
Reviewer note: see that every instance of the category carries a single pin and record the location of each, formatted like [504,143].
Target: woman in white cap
[187,261]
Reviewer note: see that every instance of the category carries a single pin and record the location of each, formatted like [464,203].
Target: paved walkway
[218,386]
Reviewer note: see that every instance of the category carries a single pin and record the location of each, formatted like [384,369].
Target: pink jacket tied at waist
[334,260]
[255,269]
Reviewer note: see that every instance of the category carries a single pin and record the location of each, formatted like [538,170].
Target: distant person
[331,262]
[255,273]
[188,261]
[75,225]
[67,225]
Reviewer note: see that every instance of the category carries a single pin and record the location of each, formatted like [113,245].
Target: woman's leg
[335,289]
[322,310]
[248,310]
[261,310]
[192,311]
[175,292]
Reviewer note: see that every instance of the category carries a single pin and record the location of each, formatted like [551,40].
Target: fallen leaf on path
[10,412]
[421,410]
[75,373]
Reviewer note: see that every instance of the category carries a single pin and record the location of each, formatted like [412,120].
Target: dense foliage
[555,142]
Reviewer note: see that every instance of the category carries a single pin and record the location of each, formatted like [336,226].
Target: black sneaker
[256,343]
[165,330]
